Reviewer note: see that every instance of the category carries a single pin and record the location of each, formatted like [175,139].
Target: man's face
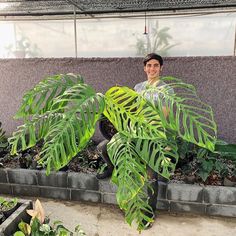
[152,69]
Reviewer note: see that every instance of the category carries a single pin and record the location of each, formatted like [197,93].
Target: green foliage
[40,226]
[204,163]
[221,161]
[6,205]
[130,114]
[63,111]
[225,150]
[129,174]
[3,139]
[19,233]
[188,115]
[145,135]
[40,99]
[137,209]
[161,155]
[38,229]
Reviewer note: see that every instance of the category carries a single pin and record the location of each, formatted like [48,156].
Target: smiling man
[153,64]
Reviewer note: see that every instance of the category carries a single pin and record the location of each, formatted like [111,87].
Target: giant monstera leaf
[129,169]
[28,134]
[160,155]
[131,115]
[40,99]
[188,115]
[131,178]
[138,210]
[66,126]
[71,134]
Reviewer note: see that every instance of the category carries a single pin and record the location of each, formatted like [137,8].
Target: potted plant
[7,207]
[62,111]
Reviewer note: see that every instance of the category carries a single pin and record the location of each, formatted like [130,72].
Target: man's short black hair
[151,56]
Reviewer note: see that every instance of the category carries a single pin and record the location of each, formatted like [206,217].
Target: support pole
[75,32]
[235,41]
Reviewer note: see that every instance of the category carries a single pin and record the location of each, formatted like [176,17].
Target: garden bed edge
[172,197]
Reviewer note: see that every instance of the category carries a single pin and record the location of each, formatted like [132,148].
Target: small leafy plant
[222,161]
[206,164]
[62,111]
[6,204]
[7,207]
[39,225]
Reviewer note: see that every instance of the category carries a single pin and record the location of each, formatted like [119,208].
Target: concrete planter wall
[209,200]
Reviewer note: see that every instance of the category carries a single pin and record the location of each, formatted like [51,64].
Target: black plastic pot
[2,217]
[107,129]
[64,168]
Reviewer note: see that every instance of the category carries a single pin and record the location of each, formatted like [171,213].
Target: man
[153,64]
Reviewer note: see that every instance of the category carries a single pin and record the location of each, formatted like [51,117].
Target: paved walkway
[108,220]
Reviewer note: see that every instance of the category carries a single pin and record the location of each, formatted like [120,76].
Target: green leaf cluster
[40,225]
[203,162]
[6,204]
[62,111]
[35,228]
[221,161]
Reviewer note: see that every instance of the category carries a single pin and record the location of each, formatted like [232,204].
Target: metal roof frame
[19,8]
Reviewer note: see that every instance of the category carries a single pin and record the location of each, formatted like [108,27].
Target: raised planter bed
[173,197]
[9,226]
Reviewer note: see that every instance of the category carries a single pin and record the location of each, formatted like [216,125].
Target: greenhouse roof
[58,7]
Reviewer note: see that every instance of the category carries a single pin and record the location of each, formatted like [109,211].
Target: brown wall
[214,78]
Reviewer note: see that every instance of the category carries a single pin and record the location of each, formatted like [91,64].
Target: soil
[90,161]
[87,161]
[213,179]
